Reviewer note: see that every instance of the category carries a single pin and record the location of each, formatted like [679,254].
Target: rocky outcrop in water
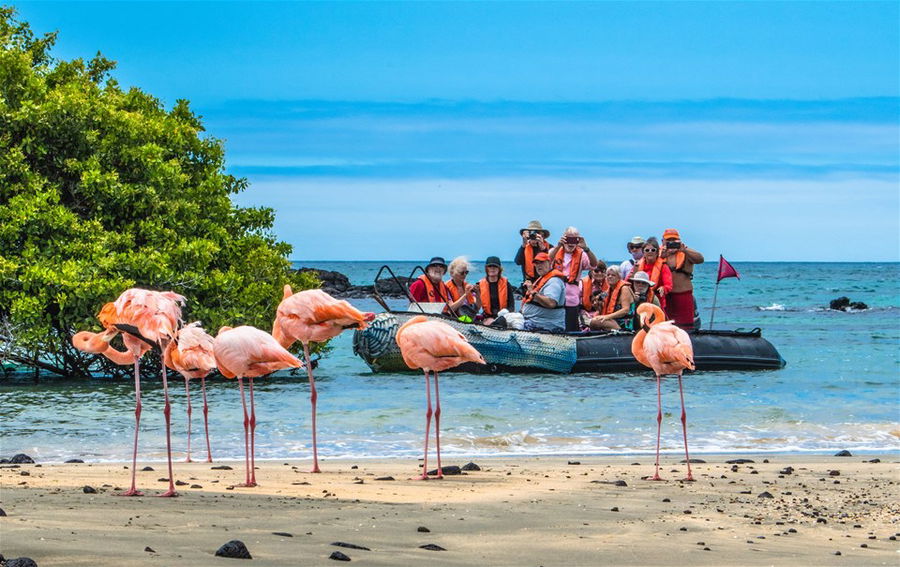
[338,285]
[844,304]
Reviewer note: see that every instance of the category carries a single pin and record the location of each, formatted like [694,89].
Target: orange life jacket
[613,299]
[455,294]
[484,291]
[529,258]
[587,289]
[435,294]
[536,287]
[655,275]
[574,263]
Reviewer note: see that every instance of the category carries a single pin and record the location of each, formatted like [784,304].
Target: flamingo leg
[133,491]
[246,434]
[658,423]
[428,413]
[167,412]
[437,425]
[187,393]
[313,397]
[687,457]
[206,419]
[252,437]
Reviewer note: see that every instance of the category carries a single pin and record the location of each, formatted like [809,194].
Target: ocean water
[839,390]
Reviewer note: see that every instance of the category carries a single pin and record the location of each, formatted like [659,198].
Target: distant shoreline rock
[338,285]
[844,304]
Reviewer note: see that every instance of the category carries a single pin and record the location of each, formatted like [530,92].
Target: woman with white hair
[572,256]
[461,292]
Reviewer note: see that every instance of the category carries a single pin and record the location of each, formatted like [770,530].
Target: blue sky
[402,130]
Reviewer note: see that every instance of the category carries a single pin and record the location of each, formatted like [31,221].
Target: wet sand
[515,511]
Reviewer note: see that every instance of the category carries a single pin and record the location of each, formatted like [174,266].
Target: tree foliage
[102,189]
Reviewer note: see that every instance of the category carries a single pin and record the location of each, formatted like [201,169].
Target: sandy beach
[514,511]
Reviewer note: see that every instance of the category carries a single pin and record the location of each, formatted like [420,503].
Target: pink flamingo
[247,352]
[145,318]
[313,315]
[433,346]
[666,349]
[191,354]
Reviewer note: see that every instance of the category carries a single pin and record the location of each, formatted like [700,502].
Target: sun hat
[535,225]
[637,241]
[492,261]
[542,257]
[437,261]
[642,277]
[671,233]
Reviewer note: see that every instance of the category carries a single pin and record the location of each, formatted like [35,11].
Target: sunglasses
[464,272]
[651,250]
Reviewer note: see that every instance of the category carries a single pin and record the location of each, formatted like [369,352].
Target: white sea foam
[773,307]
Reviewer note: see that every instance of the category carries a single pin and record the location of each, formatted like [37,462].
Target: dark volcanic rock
[149,549]
[612,482]
[385,478]
[234,549]
[739,461]
[283,534]
[350,545]
[701,461]
[844,453]
[74,461]
[89,490]
[147,469]
[840,304]
[338,285]
[221,468]
[423,529]
[21,562]
[2,513]
[471,467]
[844,304]
[338,556]
[432,547]
[334,283]
[766,494]
[22,459]
[449,470]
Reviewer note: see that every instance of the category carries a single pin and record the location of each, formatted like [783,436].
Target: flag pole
[712,317]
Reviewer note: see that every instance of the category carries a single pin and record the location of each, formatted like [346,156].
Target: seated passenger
[462,293]
[571,256]
[642,286]
[534,240]
[619,307]
[596,308]
[594,282]
[545,299]
[430,286]
[494,291]
[658,271]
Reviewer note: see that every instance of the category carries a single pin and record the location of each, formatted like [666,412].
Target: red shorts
[680,307]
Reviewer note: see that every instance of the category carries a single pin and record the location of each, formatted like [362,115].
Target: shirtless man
[680,303]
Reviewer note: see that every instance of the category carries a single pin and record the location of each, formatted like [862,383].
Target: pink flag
[726,270]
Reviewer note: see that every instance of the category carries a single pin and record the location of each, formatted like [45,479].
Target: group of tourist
[557,297]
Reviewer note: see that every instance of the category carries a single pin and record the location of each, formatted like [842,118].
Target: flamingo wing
[669,348]
[434,345]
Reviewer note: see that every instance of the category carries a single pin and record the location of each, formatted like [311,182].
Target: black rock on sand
[234,549]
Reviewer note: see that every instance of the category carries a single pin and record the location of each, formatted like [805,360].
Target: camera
[673,245]
[572,240]
[532,235]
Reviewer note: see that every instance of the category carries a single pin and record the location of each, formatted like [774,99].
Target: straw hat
[637,241]
[535,225]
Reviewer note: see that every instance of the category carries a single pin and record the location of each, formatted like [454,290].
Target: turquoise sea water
[839,390]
